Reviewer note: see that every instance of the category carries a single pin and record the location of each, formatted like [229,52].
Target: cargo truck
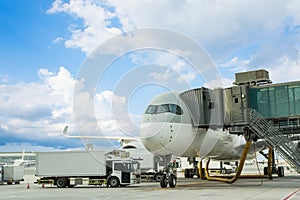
[11,174]
[70,168]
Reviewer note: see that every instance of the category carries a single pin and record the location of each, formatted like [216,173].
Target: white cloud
[223,83]
[176,67]
[285,70]
[236,64]
[239,36]
[57,40]
[4,78]
[161,77]
[38,112]
[97,23]
[28,147]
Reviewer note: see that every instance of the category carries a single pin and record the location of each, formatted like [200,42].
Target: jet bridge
[217,108]
[269,111]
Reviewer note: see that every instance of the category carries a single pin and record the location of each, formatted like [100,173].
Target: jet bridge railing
[284,145]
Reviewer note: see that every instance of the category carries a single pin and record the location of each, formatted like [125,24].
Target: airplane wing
[119,138]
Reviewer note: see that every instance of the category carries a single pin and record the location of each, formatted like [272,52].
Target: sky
[44,45]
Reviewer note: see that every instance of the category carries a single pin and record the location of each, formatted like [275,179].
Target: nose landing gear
[169,177]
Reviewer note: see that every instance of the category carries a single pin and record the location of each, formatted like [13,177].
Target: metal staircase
[283,144]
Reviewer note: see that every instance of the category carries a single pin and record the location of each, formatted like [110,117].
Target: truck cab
[124,173]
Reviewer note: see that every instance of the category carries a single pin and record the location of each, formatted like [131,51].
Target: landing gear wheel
[114,181]
[61,182]
[163,181]
[172,181]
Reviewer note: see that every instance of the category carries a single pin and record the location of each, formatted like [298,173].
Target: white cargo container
[101,167]
[12,174]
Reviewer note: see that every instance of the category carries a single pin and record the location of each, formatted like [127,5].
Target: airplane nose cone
[152,137]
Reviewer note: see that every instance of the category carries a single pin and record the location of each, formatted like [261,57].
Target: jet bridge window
[164,108]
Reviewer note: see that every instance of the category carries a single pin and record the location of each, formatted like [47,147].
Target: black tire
[186,173]
[61,182]
[163,181]
[157,177]
[280,172]
[114,181]
[172,181]
[265,170]
[223,171]
[197,172]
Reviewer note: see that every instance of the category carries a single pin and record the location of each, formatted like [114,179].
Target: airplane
[19,162]
[166,129]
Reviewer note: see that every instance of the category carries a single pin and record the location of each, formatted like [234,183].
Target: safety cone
[28,186]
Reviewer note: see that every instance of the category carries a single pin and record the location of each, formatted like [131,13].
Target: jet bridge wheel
[280,171]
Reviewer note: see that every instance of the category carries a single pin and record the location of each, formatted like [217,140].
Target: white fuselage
[163,132]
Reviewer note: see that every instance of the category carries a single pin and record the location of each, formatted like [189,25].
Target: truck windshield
[135,167]
[127,167]
[164,108]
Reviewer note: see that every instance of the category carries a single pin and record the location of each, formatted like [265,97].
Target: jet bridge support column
[270,166]
[201,172]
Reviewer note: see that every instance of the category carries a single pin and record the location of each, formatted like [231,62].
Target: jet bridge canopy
[206,106]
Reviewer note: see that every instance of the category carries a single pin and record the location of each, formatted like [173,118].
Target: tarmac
[285,188]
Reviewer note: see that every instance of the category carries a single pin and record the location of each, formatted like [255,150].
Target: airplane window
[151,109]
[162,109]
[175,109]
[157,109]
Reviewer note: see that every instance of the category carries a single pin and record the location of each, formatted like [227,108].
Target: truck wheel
[223,171]
[172,181]
[163,181]
[61,182]
[114,181]
[157,177]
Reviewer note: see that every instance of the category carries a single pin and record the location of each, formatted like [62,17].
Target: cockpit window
[151,109]
[158,109]
[162,108]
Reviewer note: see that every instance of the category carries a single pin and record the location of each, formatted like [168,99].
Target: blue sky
[45,43]
[27,33]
